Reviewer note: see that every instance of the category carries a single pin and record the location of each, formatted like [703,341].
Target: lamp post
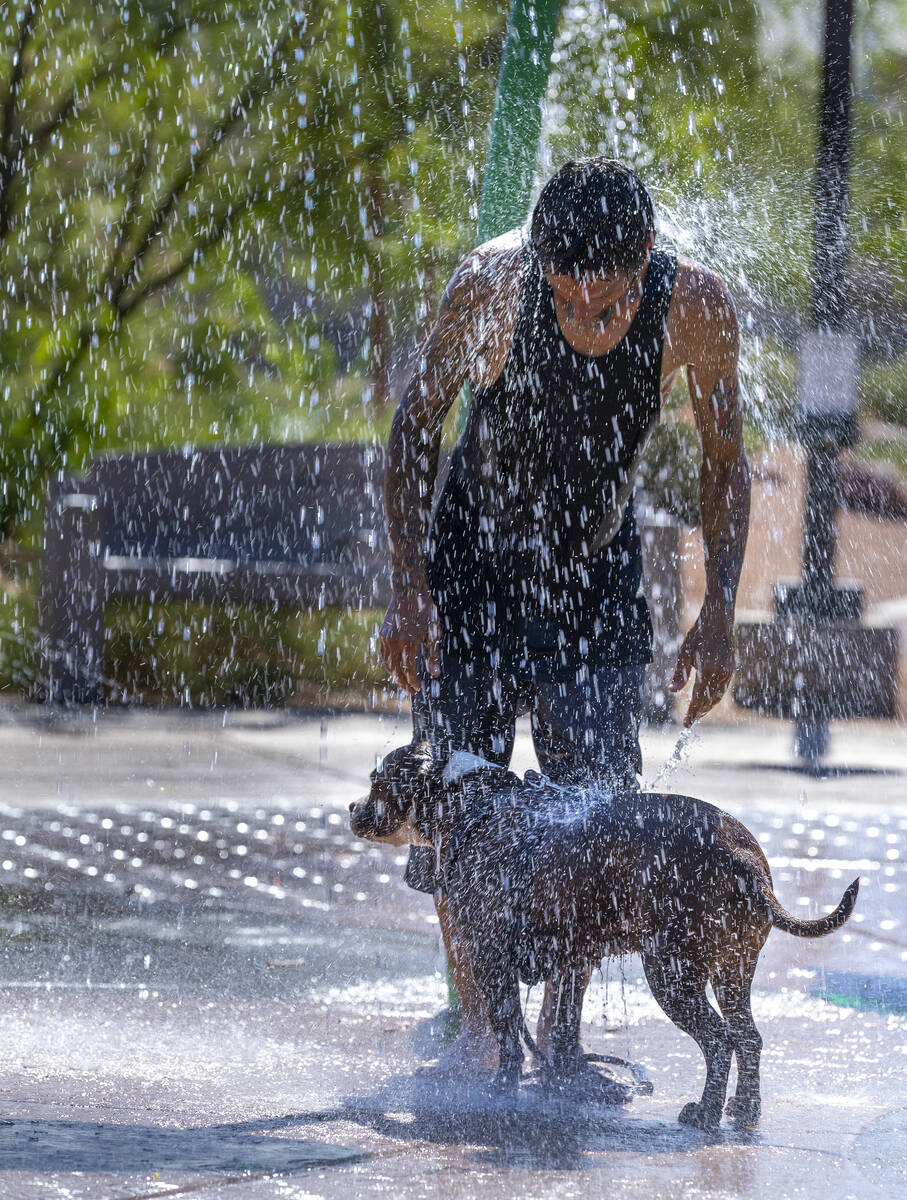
[816,661]
[827,385]
[516,123]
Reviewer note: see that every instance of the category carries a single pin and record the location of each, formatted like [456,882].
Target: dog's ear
[387,763]
[413,761]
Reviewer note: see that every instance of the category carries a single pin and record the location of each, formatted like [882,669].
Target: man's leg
[464,708]
[586,731]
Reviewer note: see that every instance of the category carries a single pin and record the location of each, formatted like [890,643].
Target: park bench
[279,526]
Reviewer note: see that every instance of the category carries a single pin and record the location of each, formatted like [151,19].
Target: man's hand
[411,623]
[708,649]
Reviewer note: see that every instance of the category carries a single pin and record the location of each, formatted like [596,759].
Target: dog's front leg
[495,973]
[559,1021]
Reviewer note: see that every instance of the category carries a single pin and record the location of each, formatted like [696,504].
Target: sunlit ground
[195,953]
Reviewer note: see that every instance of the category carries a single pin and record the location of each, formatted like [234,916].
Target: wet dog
[544,882]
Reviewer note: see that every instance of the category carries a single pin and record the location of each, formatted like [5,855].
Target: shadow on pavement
[45,1147]
[825,771]
[532,1129]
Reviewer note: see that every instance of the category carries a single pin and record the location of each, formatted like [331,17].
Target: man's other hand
[708,649]
[411,623]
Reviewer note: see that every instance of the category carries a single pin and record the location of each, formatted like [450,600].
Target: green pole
[516,125]
[517,120]
[513,146]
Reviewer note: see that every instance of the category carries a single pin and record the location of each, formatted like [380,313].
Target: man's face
[586,298]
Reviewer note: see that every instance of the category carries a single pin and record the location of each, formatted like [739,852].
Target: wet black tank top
[535,557]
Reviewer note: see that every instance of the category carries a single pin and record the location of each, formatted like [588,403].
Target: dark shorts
[585,729]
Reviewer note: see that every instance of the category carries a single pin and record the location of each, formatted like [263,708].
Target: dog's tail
[782,919]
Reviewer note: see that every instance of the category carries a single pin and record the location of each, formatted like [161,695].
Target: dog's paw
[697,1117]
[745,1113]
[691,1114]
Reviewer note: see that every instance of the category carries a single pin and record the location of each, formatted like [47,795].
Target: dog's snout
[353,806]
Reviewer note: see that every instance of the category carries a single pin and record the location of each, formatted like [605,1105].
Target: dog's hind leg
[732,982]
[679,987]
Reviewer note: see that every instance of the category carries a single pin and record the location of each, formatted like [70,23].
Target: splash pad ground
[208,987]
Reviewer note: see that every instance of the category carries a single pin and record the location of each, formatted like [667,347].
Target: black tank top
[535,556]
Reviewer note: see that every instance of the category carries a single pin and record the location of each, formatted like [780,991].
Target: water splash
[687,739]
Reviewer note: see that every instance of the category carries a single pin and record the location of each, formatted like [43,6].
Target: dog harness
[484,792]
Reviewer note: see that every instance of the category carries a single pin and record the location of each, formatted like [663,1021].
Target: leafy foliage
[222,222]
[136,160]
[190,190]
[194,654]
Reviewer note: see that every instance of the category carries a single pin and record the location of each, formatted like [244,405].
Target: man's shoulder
[700,288]
[493,268]
[702,309]
[507,245]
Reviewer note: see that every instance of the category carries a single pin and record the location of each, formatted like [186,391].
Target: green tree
[165,166]
[395,105]
[137,155]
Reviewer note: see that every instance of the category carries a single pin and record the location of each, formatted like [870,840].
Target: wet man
[524,593]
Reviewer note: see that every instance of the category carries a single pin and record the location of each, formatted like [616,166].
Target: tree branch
[34,139]
[9,149]
[191,257]
[68,363]
[236,114]
[64,367]
[127,218]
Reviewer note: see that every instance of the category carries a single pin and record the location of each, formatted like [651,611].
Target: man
[524,592]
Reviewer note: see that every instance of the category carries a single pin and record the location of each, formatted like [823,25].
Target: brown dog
[544,882]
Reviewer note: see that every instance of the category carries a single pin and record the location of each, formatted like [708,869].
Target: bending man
[524,593]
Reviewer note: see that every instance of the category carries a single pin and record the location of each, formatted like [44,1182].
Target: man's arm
[712,337]
[447,358]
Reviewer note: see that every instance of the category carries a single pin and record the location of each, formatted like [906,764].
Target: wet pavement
[207,986]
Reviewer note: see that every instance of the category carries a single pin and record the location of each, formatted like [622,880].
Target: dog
[544,882]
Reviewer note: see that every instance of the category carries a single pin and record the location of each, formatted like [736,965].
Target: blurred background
[223,224]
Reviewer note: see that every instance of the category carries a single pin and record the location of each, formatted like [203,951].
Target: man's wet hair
[593,216]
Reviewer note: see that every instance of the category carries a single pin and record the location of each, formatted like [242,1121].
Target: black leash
[543,1059]
[642,1084]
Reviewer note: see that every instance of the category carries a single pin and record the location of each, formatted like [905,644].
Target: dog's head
[398,809]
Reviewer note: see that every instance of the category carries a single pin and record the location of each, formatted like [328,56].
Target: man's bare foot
[473,1052]
[559,1022]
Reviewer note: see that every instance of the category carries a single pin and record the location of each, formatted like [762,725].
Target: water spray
[678,756]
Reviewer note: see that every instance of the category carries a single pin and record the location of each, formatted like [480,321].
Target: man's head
[594,218]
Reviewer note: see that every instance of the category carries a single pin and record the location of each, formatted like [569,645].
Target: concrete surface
[207,986]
